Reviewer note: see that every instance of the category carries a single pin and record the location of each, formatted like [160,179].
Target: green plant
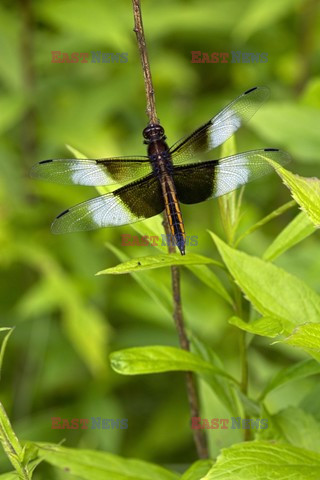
[291,443]
[261,302]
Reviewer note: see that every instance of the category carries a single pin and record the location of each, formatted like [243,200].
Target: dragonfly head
[153,132]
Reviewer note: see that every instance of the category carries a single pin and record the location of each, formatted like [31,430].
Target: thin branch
[198,435]
[138,29]
[243,355]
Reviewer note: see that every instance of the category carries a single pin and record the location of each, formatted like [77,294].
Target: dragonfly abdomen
[174,214]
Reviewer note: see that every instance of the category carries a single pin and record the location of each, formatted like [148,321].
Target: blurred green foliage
[67,319]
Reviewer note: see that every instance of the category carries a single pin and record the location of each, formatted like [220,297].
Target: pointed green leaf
[12,446]
[265,461]
[305,191]
[76,152]
[4,343]
[306,336]
[157,261]
[271,290]
[265,326]
[197,470]
[158,359]
[95,465]
[296,231]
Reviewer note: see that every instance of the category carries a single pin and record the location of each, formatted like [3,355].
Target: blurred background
[68,320]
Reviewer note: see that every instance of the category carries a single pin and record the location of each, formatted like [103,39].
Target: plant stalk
[198,435]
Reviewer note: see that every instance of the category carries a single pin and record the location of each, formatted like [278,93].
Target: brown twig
[198,435]
[138,29]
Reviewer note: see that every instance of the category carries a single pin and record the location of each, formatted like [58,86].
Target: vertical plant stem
[139,31]
[243,355]
[198,435]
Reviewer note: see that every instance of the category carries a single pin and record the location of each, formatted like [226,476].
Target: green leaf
[153,226]
[94,465]
[305,191]
[296,231]
[157,261]
[263,221]
[303,369]
[12,446]
[197,470]
[271,290]
[158,359]
[4,343]
[306,336]
[76,152]
[9,476]
[265,326]
[265,461]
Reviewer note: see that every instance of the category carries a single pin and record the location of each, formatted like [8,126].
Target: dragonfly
[166,177]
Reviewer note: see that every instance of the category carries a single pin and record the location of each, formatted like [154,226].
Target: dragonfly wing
[198,182]
[92,172]
[133,202]
[219,128]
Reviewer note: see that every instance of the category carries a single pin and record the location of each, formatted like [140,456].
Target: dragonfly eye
[153,132]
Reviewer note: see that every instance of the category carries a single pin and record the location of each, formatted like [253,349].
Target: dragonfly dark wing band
[221,127]
[133,202]
[92,172]
[196,182]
